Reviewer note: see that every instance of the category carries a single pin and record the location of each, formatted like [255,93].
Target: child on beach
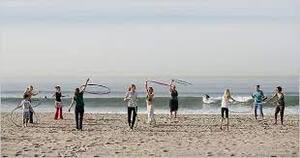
[79,108]
[27,109]
[149,101]
[30,92]
[58,103]
[173,103]
[131,99]
[280,104]
[258,97]
[225,108]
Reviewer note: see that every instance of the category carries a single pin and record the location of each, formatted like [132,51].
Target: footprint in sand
[18,153]
[209,154]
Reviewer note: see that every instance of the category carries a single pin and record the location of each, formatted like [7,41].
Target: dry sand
[189,135]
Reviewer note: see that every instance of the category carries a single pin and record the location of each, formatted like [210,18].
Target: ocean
[190,97]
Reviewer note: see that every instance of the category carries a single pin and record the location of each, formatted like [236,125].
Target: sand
[187,136]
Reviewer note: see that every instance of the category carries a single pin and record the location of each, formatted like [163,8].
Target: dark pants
[132,112]
[30,117]
[224,111]
[279,108]
[79,117]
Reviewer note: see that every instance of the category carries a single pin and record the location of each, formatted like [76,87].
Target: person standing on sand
[27,109]
[149,101]
[225,108]
[30,93]
[258,97]
[173,103]
[132,107]
[58,103]
[280,104]
[79,108]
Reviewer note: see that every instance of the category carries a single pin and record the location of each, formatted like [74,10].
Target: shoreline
[190,135]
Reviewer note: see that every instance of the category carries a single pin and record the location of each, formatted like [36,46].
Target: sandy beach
[187,136]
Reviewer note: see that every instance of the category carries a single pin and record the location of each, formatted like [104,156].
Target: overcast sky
[148,38]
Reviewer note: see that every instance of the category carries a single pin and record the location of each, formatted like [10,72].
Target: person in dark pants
[173,103]
[30,93]
[280,104]
[79,108]
[131,99]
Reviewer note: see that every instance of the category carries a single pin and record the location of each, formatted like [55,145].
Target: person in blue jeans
[258,97]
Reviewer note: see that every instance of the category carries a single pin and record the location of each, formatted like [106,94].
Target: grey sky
[149,38]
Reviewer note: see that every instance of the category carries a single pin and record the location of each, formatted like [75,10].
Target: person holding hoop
[79,108]
[226,100]
[30,93]
[280,104]
[149,101]
[258,97]
[131,99]
[58,103]
[27,109]
[173,103]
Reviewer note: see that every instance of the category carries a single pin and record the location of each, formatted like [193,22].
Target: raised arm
[84,86]
[146,87]
[170,86]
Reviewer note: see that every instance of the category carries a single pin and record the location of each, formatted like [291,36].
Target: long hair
[227,94]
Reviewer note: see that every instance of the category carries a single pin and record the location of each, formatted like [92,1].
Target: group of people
[259,99]
[131,99]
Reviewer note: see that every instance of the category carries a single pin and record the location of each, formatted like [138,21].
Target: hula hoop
[182,82]
[13,120]
[241,111]
[159,83]
[41,100]
[106,91]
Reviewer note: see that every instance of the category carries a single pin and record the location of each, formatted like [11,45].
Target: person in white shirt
[27,109]
[131,99]
[226,100]
[30,92]
[149,101]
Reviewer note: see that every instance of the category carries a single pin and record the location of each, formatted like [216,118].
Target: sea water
[190,97]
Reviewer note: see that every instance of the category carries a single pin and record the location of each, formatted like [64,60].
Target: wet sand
[187,136]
